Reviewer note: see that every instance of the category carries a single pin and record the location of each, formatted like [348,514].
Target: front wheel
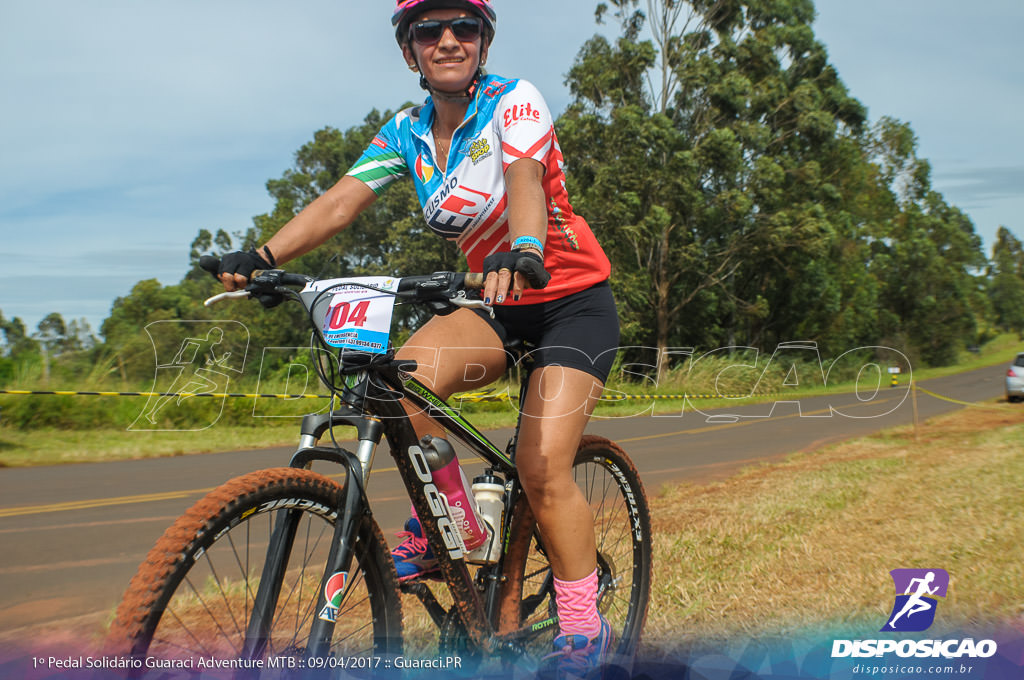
[193,595]
[622,528]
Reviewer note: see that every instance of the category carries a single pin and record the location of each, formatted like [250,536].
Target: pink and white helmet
[405,10]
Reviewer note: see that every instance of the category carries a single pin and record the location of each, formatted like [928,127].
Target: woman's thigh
[558,405]
[454,353]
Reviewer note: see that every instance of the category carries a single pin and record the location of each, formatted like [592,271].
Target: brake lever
[226,295]
[460,300]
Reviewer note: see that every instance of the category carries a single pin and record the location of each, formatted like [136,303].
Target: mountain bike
[284,570]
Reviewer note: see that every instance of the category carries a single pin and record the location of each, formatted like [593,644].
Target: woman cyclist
[487,168]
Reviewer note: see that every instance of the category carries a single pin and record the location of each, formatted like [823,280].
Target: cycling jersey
[468,202]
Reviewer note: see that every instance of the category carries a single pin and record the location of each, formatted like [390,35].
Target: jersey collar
[421,128]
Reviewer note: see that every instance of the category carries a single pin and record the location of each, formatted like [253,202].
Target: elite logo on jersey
[521,112]
[423,168]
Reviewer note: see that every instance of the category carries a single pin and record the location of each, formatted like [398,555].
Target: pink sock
[577,606]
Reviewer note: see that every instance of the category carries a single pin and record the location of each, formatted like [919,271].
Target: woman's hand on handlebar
[236,268]
[235,271]
[511,273]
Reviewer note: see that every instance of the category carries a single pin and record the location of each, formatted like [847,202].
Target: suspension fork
[339,560]
[350,514]
[353,506]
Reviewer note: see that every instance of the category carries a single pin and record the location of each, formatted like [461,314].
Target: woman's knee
[544,477]
[455,353]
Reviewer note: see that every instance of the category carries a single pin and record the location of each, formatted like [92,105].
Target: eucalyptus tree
[1006,281]
[711,144]
[926,254]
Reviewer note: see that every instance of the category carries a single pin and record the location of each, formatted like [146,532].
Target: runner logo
[193,358]
[917,591]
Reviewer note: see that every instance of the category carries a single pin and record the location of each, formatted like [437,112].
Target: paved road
[73,535]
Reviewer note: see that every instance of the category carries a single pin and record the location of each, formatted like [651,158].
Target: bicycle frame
[380,414]
[194,593]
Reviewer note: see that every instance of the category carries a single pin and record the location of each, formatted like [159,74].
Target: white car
[1015,380]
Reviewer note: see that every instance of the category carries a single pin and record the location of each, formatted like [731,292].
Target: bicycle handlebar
[212,265]
[440,287]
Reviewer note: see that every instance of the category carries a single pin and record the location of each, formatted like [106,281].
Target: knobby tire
[193,594]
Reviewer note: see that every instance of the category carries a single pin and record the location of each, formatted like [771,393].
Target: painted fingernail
[515,298]
[500,298]
[487,301]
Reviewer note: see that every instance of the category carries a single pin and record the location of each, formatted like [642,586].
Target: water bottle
[489,492]
[451,482]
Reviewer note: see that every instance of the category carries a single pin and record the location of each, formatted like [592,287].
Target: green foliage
[736,185]
[745,200]
[1006,281]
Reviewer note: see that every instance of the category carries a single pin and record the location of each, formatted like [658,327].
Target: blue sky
[128,126]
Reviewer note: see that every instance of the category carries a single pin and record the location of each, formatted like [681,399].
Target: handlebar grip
[474,281]
[295,279]
[284,278]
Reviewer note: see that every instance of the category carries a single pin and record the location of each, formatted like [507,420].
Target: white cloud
[131,125]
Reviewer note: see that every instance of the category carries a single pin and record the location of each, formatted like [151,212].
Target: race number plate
[358,317]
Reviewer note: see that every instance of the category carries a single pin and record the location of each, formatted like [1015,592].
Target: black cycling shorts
[580,330]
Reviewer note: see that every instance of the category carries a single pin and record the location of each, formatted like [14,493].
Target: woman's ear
[410,59]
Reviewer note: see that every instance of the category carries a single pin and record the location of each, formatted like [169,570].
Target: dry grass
[807,545]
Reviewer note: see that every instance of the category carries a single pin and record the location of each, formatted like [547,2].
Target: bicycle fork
[339,560]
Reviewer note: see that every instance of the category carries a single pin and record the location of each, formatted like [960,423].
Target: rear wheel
[622,528]
[193,596]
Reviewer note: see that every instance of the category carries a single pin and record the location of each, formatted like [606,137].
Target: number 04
[344,314]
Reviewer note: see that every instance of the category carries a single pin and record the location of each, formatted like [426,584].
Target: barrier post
[913,400]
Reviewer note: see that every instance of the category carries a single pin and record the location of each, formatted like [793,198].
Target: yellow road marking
[748,420]
[23,510]
[97,503]
[172,495]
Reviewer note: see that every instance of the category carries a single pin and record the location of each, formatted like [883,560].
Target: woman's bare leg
[558,405]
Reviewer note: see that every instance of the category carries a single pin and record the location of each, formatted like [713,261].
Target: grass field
[807,544]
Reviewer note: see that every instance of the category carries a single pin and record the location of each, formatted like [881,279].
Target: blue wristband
[527,242]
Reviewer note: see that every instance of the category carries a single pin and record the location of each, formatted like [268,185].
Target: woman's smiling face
[449,65]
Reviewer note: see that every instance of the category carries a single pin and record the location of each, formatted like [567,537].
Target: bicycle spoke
[220,588]
[244,569]
[175,645]
[299,585]
[606,478]
[213,618]
[248,543]
[196,607]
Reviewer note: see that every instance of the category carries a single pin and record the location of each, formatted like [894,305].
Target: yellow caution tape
[468,396]
[241,395]
[957,401]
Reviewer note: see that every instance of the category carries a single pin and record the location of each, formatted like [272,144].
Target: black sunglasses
[465,29]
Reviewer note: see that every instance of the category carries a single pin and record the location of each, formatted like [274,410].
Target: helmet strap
[460,98]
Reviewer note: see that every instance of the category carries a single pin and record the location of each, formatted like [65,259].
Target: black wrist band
[270,256]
